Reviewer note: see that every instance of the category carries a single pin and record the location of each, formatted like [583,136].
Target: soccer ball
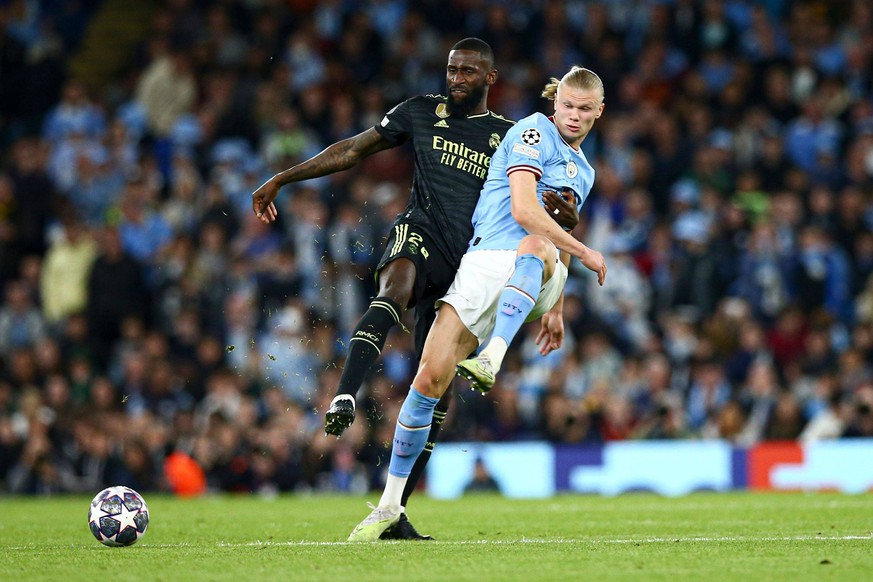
[118,516]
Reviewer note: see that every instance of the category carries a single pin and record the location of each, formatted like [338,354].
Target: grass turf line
[706,536]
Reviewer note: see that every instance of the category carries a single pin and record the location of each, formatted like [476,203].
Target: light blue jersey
[534,145]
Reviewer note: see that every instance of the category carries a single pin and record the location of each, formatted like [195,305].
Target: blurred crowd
[147,315]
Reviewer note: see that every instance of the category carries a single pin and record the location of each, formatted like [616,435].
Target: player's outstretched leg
[364,349]
[410,438]
[403,529]
[516,302]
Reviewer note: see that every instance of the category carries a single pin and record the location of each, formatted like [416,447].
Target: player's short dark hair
[477,45]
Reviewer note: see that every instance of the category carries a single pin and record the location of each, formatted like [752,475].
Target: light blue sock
[410,436]
[518,297]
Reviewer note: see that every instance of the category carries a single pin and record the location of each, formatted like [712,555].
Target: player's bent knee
[534,244]
[431,385]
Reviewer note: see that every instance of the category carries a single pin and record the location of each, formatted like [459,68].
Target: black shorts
[433,274]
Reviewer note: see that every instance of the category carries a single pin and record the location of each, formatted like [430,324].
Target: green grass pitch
[706,536]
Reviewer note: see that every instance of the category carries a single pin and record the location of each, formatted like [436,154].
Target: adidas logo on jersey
[441,123]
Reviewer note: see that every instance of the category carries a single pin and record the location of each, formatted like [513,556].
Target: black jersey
[452,156]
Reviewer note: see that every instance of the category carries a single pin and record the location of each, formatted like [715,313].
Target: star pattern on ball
[125,518]
[531,136]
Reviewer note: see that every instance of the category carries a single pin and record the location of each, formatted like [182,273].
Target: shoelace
[381,513]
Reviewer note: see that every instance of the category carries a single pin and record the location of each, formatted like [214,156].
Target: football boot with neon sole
[375,524]
[479,372]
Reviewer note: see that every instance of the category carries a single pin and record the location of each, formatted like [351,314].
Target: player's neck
[480,109]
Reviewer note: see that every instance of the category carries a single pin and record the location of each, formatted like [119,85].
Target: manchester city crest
[572,170]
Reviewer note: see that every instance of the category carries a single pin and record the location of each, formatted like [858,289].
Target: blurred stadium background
[152,333]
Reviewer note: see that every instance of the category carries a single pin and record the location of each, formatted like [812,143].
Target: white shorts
[480,279]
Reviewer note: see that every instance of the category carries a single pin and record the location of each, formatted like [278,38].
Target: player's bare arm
[527,211]
[340,156]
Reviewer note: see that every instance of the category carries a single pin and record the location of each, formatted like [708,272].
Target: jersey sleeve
[396,126]
[526,147]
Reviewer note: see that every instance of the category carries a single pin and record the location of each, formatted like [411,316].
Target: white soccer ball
[118,516]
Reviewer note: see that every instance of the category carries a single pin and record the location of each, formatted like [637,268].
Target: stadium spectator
[116,289]
[63,285]
[21,323]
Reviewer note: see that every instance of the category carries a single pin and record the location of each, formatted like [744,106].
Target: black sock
[366,343]
[439,415]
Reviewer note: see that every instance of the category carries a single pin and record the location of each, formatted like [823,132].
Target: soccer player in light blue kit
[512,271]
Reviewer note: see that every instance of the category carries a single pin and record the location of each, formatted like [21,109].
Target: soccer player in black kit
[453,139]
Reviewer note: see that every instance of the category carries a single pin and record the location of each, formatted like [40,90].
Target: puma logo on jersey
[441,123]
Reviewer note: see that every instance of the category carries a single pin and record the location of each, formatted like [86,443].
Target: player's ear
[491,77]
[599,113]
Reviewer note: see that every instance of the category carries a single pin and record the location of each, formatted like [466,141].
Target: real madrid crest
[572,170]
[494,140]
[441,111]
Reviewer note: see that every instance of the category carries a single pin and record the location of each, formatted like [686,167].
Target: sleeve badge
[531,136]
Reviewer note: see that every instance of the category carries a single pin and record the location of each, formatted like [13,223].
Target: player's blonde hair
[578,78]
